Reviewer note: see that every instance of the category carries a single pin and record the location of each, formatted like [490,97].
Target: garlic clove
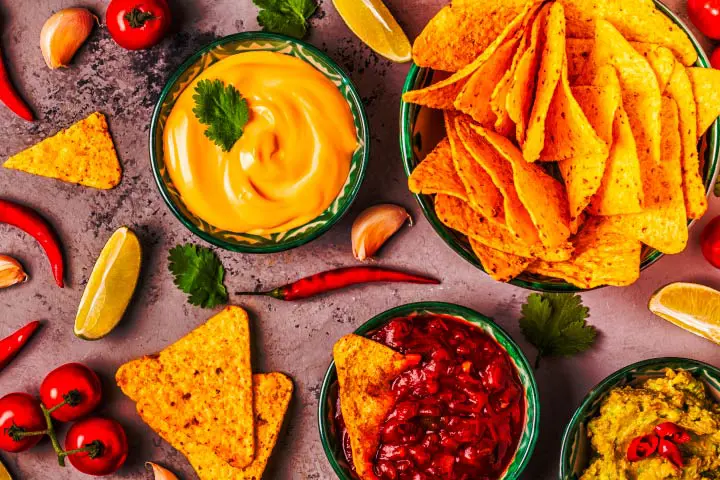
[160,472]
[374,226]
[11,272]
[64,33]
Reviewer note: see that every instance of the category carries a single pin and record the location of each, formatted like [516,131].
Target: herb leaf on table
[223,109]
[199,273]
[288,17]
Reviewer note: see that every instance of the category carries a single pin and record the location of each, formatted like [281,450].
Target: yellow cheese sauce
[291,161]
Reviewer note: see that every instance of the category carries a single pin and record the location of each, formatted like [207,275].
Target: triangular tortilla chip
[501,266]
[636,21]
[437,174]
[621,190]
[504,125]
[365,372]
[517,217]
[482,194]
[599,102]
[680,89]
[602,256]
[663,222]
[543,196]
[83,154]
[706,87]
[201,387]
[551,65]
[661,59]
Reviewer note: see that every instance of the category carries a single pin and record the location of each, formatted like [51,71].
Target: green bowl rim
[406,153]
[601,389]
[532,395]
[302,240]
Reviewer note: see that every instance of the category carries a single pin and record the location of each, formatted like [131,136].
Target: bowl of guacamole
[633,403]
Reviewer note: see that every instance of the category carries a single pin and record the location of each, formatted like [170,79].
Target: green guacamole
[629,412]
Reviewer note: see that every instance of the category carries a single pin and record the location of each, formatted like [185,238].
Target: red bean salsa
[458,415]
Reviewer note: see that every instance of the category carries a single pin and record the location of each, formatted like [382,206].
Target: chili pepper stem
[276,293]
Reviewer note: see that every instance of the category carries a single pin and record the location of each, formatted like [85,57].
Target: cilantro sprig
[556,324]
[223,109]
[199,273]
[288,17]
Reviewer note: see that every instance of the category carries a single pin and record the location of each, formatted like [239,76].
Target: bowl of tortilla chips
[374,361]
[560,145]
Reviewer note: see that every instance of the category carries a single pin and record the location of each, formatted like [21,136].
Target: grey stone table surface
[292,337]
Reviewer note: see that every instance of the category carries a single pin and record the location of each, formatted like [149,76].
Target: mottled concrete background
[294,338]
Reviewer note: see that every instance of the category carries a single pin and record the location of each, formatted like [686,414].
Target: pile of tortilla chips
[572,134]
[200,395]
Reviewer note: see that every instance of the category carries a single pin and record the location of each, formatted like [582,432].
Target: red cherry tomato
[705,14]
[138,24]
[20,411]
[715,59]
[105,442]
[710,242]
[75,384]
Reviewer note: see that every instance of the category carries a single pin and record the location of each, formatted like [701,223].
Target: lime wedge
[693,307]
[111,286]
[4,474]
[373,23]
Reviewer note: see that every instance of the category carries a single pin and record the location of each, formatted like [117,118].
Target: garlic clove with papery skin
[160,472]
[64,33]
[374,226]
[11,272]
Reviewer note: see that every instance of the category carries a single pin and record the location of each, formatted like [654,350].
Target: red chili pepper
[10,97]
[642,447]
[340,278]
[33,224]
[670,451]
[672,432]
[10,346]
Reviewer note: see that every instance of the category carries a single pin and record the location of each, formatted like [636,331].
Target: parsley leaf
[199,273]
[223,109]
[556,324]
[288,17]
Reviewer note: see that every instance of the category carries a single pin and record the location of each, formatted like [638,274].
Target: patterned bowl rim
[529,436]
[602,389]
[550,285]
[363,136]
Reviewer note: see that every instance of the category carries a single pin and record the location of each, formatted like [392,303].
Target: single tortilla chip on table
[437,174]
[200,387]
[501,266]
[680,89]
[83,154]
[706,87]
[662,224]
[602,256]
[365,372]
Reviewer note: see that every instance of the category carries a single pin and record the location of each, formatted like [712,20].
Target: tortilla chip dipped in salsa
[572,136]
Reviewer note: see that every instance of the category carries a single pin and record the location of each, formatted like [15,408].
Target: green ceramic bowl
[417,140]
[188,71]
[326,407]
[576,449]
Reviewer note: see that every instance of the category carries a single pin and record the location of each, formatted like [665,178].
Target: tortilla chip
[272,393]
[706,87]
[661,59]
[602,256]
[551,65]
[578,51]
[501,266]
[621,190]
[636,21]
[543,196]
[504,125]
[437,174]
[461,32]
[680,89]
[482,194]
[365,372]
[200,387]
[458,215]
[663,222]
[599,102]
[83,154]
[517,217]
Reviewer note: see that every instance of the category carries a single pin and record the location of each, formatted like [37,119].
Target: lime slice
[111,286]
[373,23]
[4,474]
[693,307]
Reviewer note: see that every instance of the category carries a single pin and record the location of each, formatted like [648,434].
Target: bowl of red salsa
[468,410]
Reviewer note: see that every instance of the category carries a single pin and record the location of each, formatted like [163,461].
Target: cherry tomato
[75,384]
[21,411]
[710,242]
[105,442]
[138,24]
[715,59]
[705,14]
